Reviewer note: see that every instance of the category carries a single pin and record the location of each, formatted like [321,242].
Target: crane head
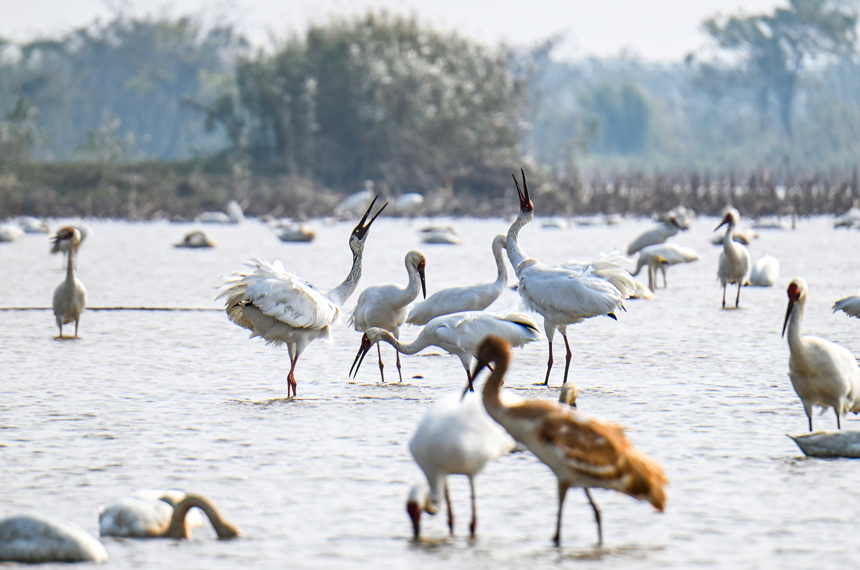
[732,217]
[67,239]
[796,289]
[366,343]
[361,229]
[526,206]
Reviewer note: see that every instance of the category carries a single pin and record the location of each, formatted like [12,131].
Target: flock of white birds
[460,434]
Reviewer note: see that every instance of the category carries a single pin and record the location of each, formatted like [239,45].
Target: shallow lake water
[183,399]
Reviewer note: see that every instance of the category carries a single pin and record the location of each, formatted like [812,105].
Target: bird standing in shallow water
[734,259]
[569,293]
[285,309]
[466,298]
[455,437]
[386,306]
[581,451]
[70,297]
[822,373]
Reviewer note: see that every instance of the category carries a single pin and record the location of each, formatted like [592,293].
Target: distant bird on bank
[196,240]
[458,333]
[285,309]
[408,204]
[822,373]
[70,297]
[734,259]
[668,254]
[9,233]
[466,298]
[355,203]
[581,451]
[234,215]
[765,272]
[132,517]
[455,437]
[386,306]
[38,539]
[654,236]
[569,293]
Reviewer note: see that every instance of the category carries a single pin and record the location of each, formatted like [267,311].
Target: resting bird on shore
[657,235]
[581,451]
[455,437]
[459,334]
[734,259]
[70,297]
[386,306]
[131,517]
[822,373]
[37,539]
[467,298]
[569,293]
[283,308]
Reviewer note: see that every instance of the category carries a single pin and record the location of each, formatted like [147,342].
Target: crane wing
[280,295]
[578,295]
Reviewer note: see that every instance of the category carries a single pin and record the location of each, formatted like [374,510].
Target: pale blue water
[186,400]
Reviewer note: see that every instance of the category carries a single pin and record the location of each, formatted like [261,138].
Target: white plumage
[70,296]
[408,204]
[662,256]
[459,334]
[456,436]
[734,259]
[850,305]
[8,233]
[656,235]
[154,514]
[284,309]
[569,293]
[466,298]
[386,306]
[822,373]
[36,538]
[765,272]
[355,203]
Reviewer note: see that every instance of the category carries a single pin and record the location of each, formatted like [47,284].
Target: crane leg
[548,365]
[76,328]
[562,491]
[810,421]
[474,524]
[665,283]
[381,365]
[291,377]
[724,295]
[838,420]
[399,373]
[61,330]
[596,515]
[738,298]
[450,510]
[567,358]
[469,386]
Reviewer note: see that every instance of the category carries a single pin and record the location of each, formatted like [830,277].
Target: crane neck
[729,240]
[416,345]
[516,255]
[343,291]
[492,388]
[179,527]
[501,268]
[70,266]
[795,325]
[412,289]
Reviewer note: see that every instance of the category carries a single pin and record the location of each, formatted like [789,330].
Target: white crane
[386,306]
[581,451]
[661,256]
[355,203]
[734,259]
[196,240]
[35,538]
[822,373]
[459,334]
[765,272]
[456,436]
[70,297]
[850,305]
[284,309]
[133,517]
[660,234]
[566,294]
[408,204]
[466,298]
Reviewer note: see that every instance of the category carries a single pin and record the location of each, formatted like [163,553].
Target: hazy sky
[653,29]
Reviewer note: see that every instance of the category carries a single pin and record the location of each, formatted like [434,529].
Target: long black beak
[359,358]
[724,222]
[361,229]
[525,201]
[787,315]
[423,283]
